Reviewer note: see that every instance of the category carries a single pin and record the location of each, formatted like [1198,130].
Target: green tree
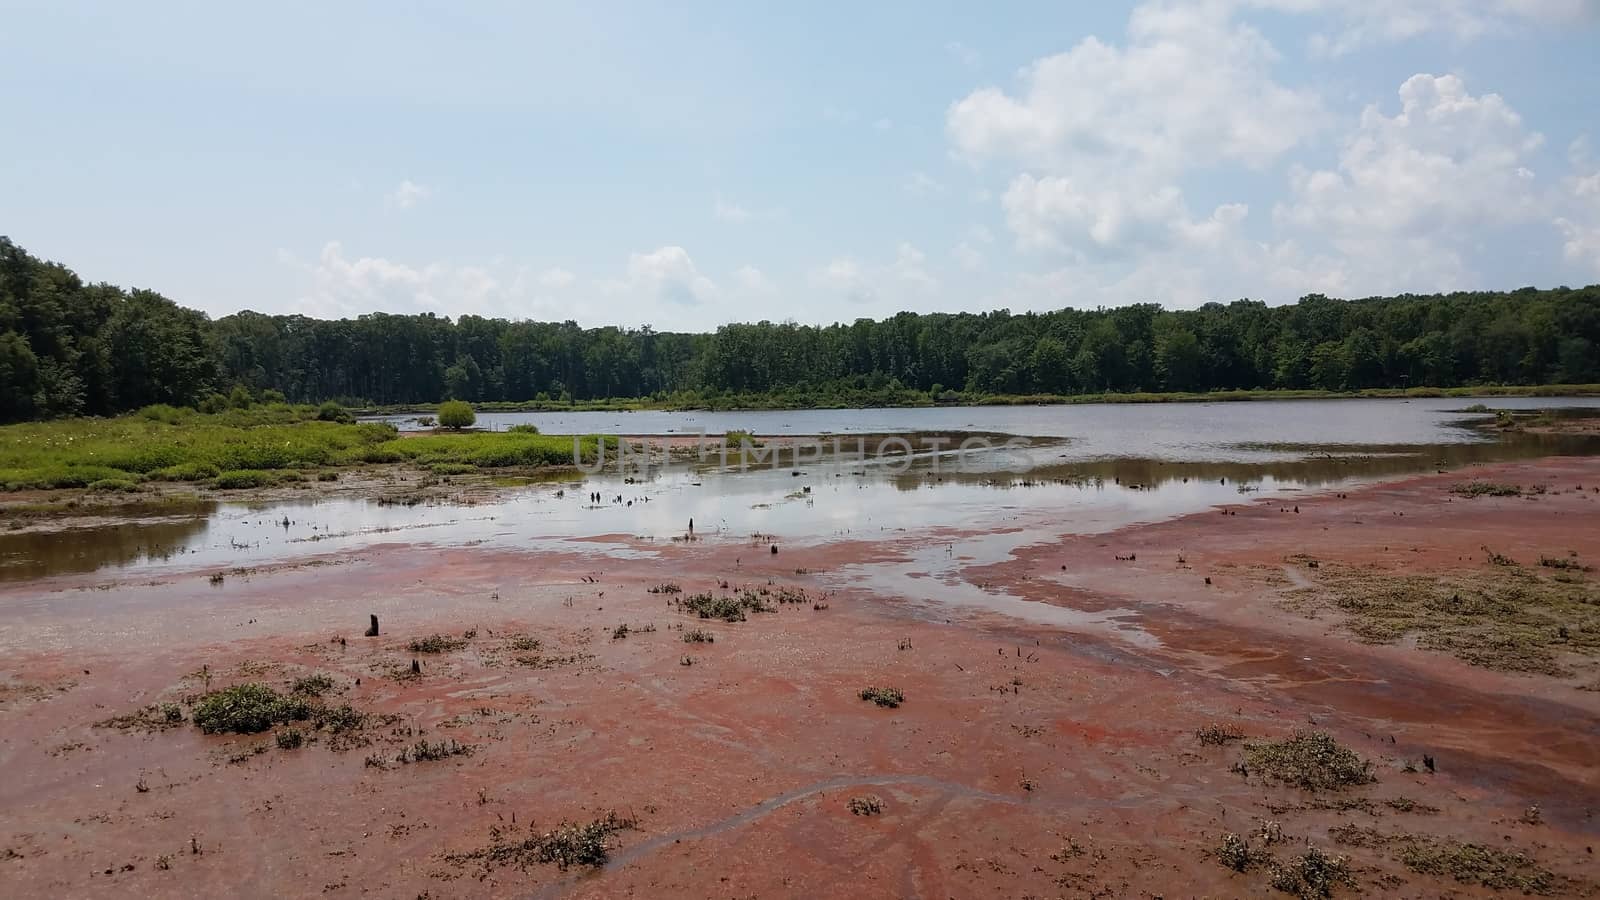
[456,414]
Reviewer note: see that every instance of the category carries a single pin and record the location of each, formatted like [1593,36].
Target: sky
[683,165]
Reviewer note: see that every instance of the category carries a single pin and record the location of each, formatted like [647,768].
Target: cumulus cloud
[1409,188]
[1580,225]
[1102,145]
[341,285]
[1357,24]
[903,280]
[667,274]
[408,194]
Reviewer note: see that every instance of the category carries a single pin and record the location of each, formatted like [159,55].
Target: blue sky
[683,165]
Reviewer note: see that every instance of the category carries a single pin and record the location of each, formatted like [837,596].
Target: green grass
[1312,760]
[248,709]
[247,448]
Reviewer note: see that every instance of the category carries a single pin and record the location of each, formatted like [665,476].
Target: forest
[71,348]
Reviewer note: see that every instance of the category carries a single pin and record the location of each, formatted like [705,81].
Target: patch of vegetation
[888,696]
[523,428]
[699,636]
[1312,875]
[290,739]
[1503,617]
[426,751]
[568,844]
[456,414]
[524,644]
[667,587]
[155,717]
[1476,864]
[1236,853]
[620,632]
[240,479]
[436,643]
[1311,760]
[341,719]
[869,805]
[248,709]
[1485,489]
[1216,735]
[728,609]
[312,685]
[188,471]
[452,468]
[115,486]
[1568,563]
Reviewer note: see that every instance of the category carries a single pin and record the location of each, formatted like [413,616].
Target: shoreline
[1016,741]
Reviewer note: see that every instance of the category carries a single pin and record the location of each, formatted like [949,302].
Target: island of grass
[266,445]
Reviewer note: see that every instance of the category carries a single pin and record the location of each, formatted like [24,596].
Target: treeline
[68,348]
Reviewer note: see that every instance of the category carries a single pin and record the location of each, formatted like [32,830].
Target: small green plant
[456,414]
[888,696]
[666,587]
[436,643]
[523,428]
[620,632]
[728,609]
[699,636]
[312,685]
[290,739]
[331,411]
[524,644]
[248,709]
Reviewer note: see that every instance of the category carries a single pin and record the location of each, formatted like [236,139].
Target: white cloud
[751,280]
[1104,134]
[1192,88]
[1357,24]
[667,274]
[557,278]
[408,194]
[1580,226]
[1411,188]
[904,281]
[344,286]
[729,212]
[921,184]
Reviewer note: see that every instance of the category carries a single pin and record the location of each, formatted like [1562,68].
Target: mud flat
[1389,689]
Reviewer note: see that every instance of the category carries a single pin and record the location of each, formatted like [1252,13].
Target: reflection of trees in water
[26,555]
[1313,465]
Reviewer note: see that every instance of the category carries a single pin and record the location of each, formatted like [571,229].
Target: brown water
[1093,468]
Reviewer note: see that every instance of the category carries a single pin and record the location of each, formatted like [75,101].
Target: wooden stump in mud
[372,630]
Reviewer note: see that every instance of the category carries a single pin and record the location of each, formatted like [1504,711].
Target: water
[1087,468]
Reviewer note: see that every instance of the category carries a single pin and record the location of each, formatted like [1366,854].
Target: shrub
[870,805]
[290,739]
[1218,735]
[333,412]
[248,709]
[1312,760]
[213,404]
[698,636]
[312,685]
[523,428]
[1312,875]
[456,414]
[271,396]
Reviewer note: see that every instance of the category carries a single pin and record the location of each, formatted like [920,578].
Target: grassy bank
[904,397]
[248,448]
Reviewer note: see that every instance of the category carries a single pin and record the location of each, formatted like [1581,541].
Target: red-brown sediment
[1026,760]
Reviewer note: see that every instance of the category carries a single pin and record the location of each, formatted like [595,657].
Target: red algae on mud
[1031,756]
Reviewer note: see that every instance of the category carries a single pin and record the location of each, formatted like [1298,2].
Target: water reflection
[1073,480]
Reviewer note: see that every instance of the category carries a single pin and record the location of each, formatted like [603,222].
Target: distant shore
[915,399]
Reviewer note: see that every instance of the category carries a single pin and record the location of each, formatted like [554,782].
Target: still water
[1088,468]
